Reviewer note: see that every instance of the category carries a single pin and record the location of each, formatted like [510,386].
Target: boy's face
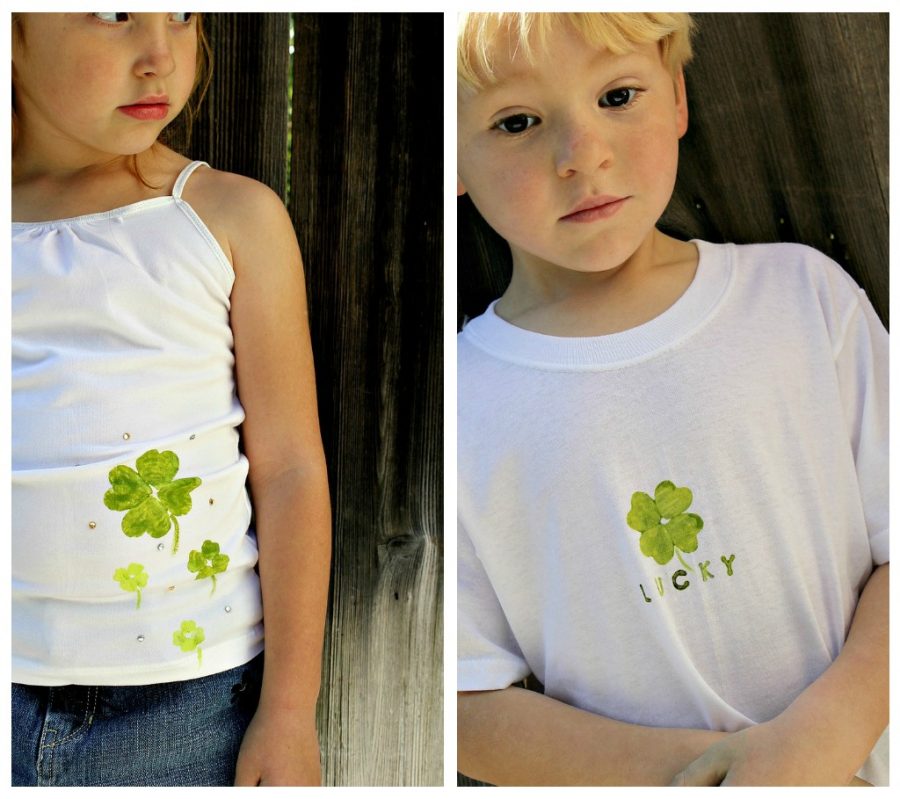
[573,159]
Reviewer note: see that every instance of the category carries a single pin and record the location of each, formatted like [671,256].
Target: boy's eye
[618,98]
[517,123]
[182,16]
[111,16]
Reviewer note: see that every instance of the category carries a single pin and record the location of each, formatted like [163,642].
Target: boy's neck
[556,301]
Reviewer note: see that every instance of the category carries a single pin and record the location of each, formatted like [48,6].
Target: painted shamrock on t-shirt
[189,637]
[132,491]
[132,578]
[207,562]
[661,539]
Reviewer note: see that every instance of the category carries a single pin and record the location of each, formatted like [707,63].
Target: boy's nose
[582,149]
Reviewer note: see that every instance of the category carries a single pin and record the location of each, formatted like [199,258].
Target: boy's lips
[154,106]
[602,206]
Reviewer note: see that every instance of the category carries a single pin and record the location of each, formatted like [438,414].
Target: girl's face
[103,83]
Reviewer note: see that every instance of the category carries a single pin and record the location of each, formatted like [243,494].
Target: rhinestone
[831,236]
[140,639]
[228,608]
[126,436]
[193,436]
[171,588]
[92,525]
[212,501]
[160,547]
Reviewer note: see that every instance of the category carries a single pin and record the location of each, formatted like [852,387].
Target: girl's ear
[460,189]
[681,107]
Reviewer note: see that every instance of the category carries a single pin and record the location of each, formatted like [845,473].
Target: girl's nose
[156,58]
[584,148]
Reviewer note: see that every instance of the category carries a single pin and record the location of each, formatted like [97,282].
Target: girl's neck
[43,192]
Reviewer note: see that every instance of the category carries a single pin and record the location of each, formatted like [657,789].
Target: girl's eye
[112,16]
[618,98]
[517,123]
[182,17]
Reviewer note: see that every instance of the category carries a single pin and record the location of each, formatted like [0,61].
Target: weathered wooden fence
[364,172]
[787,141]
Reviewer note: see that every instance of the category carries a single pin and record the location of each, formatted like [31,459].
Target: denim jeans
[169,734]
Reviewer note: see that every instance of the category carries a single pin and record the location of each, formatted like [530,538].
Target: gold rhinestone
[92,525]
[193,436]
[171,588]
[126,436]
[212,501]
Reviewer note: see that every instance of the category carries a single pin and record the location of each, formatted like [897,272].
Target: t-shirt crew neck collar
[685,316]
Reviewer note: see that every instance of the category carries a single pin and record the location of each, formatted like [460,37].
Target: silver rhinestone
[140,639]
[781,221]
[171,588]
[126,436]
[193,436]
[160,547]
[228,608]
[831,236]
[92,525]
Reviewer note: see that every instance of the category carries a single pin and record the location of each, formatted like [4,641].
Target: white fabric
[763,390]
[121,345]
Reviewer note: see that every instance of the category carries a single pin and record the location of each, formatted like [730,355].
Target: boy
[672,455]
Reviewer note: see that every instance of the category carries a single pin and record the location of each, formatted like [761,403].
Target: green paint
[207,562]
[660,539]
[680,586]
[644,594]
[728,562]
[132,491]
[704,573]
[132,578]
[189,637]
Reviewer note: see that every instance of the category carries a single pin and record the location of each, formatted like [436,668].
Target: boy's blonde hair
[480,34]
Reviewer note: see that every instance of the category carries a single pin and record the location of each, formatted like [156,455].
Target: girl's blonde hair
[202,79]
[480,34]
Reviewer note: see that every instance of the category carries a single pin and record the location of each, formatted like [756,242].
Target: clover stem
[689,568]
[213,578]
[138,599]
[199,656]
[175,539]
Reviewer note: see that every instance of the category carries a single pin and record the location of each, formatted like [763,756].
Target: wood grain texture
[367,207]
[787,141]
[366,201]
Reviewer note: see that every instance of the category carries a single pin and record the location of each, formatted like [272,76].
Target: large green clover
[207,562]
[133,491]
[132,578]
[661,540]
[189,638]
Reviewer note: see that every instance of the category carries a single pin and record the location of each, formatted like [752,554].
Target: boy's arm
[825,735]
[518,737]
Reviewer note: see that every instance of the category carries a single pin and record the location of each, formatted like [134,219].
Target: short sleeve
[488,657]
[862,368]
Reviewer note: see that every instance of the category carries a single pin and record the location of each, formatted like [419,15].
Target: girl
[145,288]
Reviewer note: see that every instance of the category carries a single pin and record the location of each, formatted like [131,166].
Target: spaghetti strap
[182,178]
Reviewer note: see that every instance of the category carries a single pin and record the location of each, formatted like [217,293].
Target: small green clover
[189,638]
[207,562]
[132,491]
[132,578]
[661,540]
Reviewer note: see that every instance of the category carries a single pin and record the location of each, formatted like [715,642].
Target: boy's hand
[279,748]
[772,753]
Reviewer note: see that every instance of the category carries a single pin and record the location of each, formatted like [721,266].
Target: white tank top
[132,558]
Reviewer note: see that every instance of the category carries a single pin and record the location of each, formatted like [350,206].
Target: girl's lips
[146,111]
[602,210]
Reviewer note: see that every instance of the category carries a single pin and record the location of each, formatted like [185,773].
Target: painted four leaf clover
[189,638]
[132,491]
[207,562]
[132,578]
[661,539]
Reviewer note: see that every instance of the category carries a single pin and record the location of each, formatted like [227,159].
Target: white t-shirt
[132,562]
[671,525]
